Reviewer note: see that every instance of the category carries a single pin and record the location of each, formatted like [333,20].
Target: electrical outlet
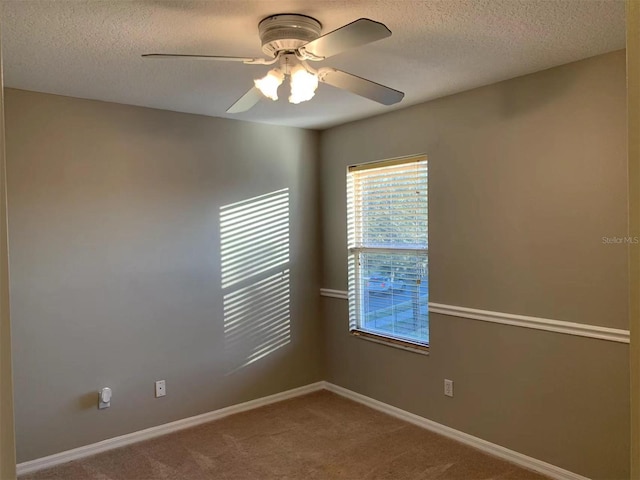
[161,388]
[104,398]
[448,387]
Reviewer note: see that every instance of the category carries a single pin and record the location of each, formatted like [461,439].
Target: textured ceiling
[91,49]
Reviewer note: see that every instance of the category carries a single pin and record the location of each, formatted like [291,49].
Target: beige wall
[114,236]
[525,177]
[115,265]
[7,447]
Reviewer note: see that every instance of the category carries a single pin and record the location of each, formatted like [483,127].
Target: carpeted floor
[317,436]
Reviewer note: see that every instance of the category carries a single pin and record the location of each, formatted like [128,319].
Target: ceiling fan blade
[360,86]
[246,101]
[354,34]
[202,57]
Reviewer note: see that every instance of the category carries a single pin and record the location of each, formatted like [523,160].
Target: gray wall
[114,218]
[115,257]
[526,176]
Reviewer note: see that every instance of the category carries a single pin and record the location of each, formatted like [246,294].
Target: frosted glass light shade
[269,84]
[303,85]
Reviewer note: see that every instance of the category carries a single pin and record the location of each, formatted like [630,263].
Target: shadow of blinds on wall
[254,244]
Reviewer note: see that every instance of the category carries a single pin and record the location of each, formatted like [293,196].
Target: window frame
[355,295]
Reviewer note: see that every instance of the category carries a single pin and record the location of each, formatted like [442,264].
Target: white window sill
[392,342]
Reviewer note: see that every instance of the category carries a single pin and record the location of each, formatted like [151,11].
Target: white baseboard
[483,445]
[134,437]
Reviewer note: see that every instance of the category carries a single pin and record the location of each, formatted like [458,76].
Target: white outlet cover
[448,387]
[161,388]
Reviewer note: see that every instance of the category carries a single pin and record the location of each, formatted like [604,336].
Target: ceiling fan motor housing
[287,32]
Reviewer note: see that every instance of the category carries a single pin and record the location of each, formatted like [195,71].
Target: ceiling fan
[291,40]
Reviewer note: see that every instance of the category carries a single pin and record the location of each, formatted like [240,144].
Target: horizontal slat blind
[388,206]
[388,245]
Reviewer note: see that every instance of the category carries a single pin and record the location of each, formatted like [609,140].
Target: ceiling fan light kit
[292,40]
[269,84]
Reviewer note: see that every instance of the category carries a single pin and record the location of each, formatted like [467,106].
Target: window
[388,251]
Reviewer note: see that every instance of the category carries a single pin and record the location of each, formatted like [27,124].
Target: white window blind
[388,249]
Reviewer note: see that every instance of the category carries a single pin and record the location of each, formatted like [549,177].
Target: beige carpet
[318,436]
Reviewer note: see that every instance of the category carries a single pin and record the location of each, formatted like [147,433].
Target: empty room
[254,239]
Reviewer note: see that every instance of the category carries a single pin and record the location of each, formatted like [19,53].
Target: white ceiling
[91,49]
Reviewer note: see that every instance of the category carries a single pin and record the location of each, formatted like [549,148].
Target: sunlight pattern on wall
[255,277]
[258,316]
[254,236]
